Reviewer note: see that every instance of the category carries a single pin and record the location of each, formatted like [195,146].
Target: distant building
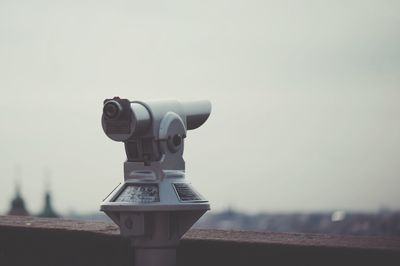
[18,204]
[48,210]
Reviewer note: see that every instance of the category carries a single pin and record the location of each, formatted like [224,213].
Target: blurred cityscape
[382,223]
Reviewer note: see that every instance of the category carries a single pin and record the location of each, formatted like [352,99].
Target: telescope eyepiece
[112,109]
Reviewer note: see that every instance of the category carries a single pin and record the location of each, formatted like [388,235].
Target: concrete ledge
[37,241]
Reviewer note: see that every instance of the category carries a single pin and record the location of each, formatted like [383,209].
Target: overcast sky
[305,95]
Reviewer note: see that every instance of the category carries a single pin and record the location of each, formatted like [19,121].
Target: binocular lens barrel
[112,110]
[124,120]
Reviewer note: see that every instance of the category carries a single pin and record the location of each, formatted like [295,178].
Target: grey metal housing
[155,205]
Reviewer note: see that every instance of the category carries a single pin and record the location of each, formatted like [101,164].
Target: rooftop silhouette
[18,203]
[48,210]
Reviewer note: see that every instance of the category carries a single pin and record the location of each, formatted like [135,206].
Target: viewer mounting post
[154,206]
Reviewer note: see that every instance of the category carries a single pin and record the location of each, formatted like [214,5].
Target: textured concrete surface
[38,241]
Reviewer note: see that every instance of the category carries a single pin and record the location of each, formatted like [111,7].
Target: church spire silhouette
[48,210]
[18,203]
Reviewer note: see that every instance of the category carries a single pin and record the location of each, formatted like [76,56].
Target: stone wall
[36,241]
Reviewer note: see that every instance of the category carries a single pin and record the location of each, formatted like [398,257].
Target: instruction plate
[139,193]
[186,193]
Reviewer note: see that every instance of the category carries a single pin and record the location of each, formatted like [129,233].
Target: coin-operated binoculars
[155,205]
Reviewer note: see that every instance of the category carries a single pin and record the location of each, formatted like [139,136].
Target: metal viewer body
[155,205]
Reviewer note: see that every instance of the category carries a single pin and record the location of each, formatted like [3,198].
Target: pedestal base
[154,257]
